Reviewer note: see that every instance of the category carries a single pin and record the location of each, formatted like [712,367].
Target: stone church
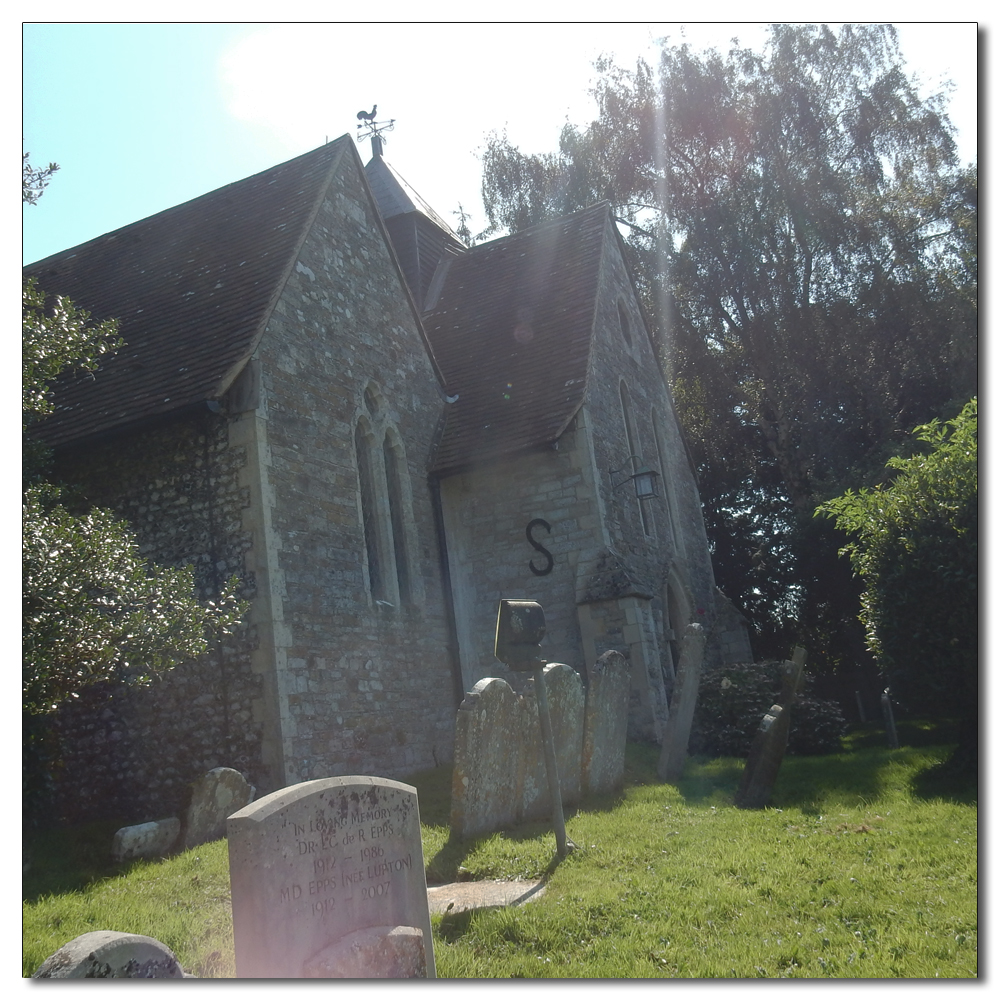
[382,432]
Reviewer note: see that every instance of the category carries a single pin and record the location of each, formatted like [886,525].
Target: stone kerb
[489,759]
[313,864]
[564,690]
[605,723]
[214,797]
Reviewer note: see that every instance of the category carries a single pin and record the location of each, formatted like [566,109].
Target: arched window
[623,322]
[369,508]
[668,492]
[633,447]
[392,455]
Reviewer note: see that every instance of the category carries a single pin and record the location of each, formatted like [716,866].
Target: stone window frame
[385,505]
[634,448]
[669,500]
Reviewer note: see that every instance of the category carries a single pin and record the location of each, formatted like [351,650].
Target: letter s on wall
[539,522]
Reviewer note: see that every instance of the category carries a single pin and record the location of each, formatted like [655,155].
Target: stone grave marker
[327,880]
[214,797]
[564,689]
[768,747]
[146,840]
[111,955]
[605,723]
[674,751]
[488,772]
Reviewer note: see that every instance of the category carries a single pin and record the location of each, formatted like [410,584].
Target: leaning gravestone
[146,840]
[674,751]
[768,747]
[605,723]
[111,955]
[327,881]
[214,797]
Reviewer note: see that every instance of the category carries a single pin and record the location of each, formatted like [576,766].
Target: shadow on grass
[68,859]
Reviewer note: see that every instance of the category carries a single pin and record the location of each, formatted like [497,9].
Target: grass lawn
[864,866]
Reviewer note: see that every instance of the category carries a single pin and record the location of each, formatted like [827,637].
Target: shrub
[732,700]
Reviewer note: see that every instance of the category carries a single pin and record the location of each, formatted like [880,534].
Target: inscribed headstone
[487,774]
[674,751]
[769,743]
[312,864]
[111,955]
[605,723]
[145,840]
[214,797]
[564,689]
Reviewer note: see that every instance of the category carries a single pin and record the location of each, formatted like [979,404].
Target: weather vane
[367,126]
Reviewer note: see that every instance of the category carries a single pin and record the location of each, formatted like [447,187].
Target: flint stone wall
[312,864]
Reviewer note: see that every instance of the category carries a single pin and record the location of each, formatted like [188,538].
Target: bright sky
[141,117]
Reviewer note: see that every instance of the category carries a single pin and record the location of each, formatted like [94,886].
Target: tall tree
[792,215]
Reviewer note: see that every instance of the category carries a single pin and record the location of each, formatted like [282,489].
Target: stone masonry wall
[132,753]
[362,687]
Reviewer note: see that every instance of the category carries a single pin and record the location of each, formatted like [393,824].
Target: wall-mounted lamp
[644,478]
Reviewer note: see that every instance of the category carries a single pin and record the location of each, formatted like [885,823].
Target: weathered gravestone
[327,880]
[146,840]
[564,690]
[488,771]
[770,741]
[605,724]
[111,955]
[214,797]
[890,720]
[674,751]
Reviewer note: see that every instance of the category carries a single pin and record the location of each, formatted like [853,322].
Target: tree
[791,216]
[34,180]
[92,608]
[915,543]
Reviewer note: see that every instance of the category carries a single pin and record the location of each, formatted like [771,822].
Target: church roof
[396,197]
[192,288]
[511,330]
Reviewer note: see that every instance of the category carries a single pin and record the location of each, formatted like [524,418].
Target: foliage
[94,608]
[54,339]
[851,875]
[806,248]
[732,700]
[915,544]
[34,180]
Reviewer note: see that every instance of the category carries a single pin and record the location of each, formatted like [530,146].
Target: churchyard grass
[861,867]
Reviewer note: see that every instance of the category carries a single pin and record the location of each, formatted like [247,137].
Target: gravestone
[214,797]
[769,743]
[564,690]
[605,724]
[111,955]
[674,751]
[146,840]
[313,865]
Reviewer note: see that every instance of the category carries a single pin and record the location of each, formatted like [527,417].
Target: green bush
[732,700]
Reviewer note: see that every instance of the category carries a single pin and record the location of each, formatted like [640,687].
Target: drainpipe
[449,600]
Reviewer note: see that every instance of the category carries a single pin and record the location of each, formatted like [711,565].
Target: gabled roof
[192,287]
[512,330]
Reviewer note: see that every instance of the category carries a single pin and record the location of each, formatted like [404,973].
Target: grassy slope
[857,870]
